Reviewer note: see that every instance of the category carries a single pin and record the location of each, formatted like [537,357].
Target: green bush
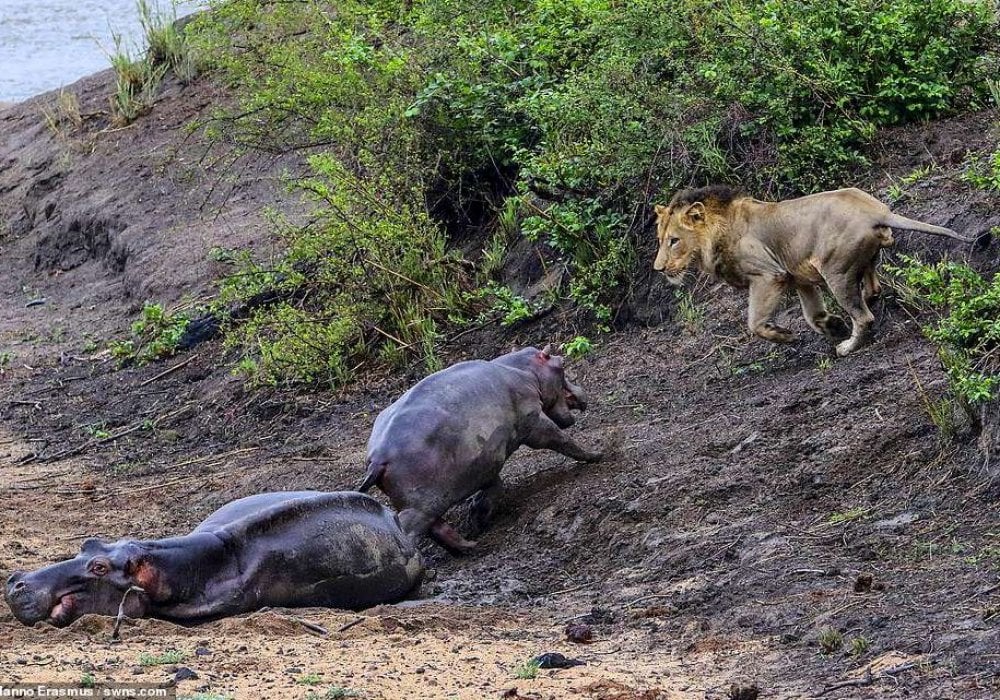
[155,335]
[565,117]
[966,306]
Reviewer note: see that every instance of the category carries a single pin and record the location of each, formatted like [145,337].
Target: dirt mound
[771,517]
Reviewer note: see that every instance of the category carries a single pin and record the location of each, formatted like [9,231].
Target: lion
[829,239]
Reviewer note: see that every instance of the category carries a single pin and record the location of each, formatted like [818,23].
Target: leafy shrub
[363,281]
[580,346]
[967,326]
[155,335]
[984,172]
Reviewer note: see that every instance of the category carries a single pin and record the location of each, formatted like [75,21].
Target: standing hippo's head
[94,581]
[559,395]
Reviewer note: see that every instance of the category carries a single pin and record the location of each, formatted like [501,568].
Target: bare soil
[759,500]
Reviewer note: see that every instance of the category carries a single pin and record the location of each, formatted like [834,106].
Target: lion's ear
[659,209]
[695,214]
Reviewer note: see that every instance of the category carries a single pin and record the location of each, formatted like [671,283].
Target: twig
[870,678]
[867,679]
[649,597]
[312,626]
[121,610]
[349,625]
[208,458]
[152,487]
[166,372]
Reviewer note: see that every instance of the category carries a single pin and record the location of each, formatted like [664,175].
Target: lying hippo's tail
[372,477]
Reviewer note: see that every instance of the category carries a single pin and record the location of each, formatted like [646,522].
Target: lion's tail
[897,221]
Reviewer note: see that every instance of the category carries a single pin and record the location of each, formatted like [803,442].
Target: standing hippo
[291,549]
[448,437]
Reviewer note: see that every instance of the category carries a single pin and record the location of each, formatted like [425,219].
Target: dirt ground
[759,500]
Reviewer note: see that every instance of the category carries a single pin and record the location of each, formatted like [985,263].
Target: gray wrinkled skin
[292,549]
[448,437]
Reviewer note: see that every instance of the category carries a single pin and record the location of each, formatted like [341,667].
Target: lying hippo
[293,549]
[448,437]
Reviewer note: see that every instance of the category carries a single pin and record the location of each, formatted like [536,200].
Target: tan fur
[829,239]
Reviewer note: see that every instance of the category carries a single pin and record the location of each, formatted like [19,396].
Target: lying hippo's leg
[449,538]
[546,435]
[484,504]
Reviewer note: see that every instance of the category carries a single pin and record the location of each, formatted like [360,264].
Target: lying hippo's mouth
[63,611]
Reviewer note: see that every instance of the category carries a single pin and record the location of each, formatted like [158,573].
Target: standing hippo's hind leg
[484,505]
[416,523]
[449,538]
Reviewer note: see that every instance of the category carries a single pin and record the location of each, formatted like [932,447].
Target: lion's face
[677,230]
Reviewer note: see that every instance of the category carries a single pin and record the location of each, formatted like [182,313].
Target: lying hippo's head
[559,395]
[94,581]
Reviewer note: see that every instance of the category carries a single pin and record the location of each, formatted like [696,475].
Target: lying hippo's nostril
[18,587]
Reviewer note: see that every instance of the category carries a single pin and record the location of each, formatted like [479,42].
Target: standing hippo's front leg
[546,435]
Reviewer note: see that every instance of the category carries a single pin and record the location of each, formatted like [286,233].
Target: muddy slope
[760,501]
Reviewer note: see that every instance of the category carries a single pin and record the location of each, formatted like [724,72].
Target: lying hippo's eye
[99,568]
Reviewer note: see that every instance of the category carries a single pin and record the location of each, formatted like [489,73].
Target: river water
[45,44]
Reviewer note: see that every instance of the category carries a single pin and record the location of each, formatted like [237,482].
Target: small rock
[579,633]
[138,670]
[743,692]
[293,670]
[202,651]
[36,302]
[898,522]
[184,674]
[866,582]
[420,669]
[554,659]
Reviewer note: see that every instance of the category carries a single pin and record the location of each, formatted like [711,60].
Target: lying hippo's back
[242,507]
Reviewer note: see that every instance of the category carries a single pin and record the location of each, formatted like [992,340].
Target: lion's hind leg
[846,289]
[816,315]
[873,288]
[765,295]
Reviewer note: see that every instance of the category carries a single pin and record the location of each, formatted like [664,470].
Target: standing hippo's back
[340,549]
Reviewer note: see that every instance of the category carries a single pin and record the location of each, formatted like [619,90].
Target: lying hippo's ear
[546,352]
[142,573]
[92,545]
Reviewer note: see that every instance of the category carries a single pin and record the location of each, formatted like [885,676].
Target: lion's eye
[674,240]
